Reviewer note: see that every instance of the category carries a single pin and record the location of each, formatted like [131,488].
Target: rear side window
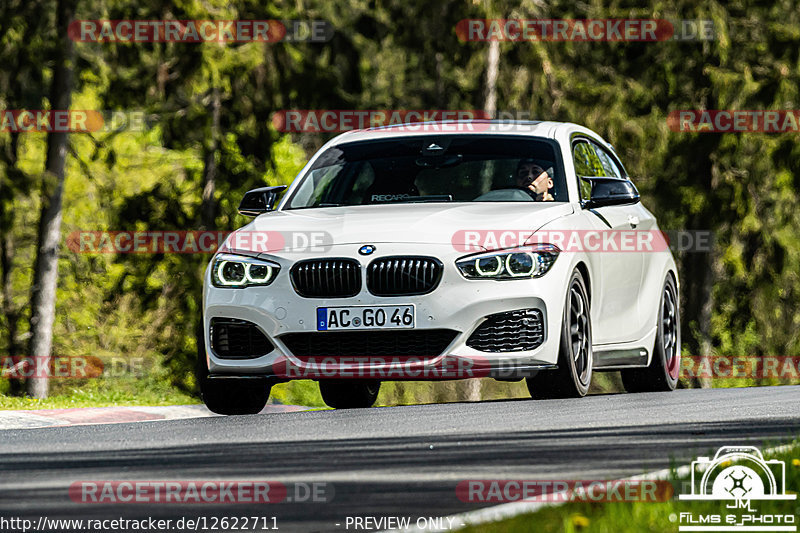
[592,160]
[586,164]
[586,161]
[610,167]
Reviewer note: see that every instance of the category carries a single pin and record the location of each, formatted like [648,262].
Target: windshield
[455,168]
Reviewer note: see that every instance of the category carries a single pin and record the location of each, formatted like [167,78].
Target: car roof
[454,127]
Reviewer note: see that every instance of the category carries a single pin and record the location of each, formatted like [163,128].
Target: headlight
[517,264]
[233,271]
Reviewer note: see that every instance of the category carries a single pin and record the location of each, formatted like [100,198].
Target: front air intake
[238,339]
[514,331]
[419,343]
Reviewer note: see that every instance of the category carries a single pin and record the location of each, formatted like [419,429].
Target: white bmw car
[443,251]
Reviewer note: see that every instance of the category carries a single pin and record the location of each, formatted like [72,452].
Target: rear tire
[575,357]
[235,396]
[349,394]
[662,373]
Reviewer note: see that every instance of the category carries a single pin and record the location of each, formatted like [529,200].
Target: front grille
[513,331]
[238,339]
[397,343]
[403,276]
[327,278]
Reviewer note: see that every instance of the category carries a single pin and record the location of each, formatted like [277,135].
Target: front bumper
[456,304]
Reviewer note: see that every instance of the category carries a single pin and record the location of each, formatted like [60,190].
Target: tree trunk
[45,274]
[492,68]
[705,308]
[208,206]
[699,274]
[10,311]
[698,302]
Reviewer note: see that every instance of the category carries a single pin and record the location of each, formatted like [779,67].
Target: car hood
[405,223]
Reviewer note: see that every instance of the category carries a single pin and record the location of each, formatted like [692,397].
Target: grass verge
[104,393]
[664,517]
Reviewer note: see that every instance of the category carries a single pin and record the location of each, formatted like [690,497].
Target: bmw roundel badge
[366,249]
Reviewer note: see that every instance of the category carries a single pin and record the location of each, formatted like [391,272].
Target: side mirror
[260,200]
[610,191]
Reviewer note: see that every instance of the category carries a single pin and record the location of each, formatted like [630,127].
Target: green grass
[91,399]
[103,393]
[640,516]
[299,392]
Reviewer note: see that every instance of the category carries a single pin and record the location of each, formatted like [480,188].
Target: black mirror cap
[610,191]
[261,200]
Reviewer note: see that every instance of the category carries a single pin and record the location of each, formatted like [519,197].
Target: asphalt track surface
[395,461]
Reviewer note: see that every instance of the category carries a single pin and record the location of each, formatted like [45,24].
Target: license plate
[365,317]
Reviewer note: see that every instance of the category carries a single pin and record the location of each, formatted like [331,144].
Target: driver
[534,180]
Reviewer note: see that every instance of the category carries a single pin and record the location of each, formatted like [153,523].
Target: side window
[586,161]
[586,164]
[610,168]
[315,185]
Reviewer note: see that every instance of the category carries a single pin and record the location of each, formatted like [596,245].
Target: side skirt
[608,360]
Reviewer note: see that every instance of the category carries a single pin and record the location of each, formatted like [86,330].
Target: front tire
[235,396]
[575,357]
[229,395]
[662,373]
[349,394]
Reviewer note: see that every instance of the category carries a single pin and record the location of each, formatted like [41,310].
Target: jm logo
[740,474]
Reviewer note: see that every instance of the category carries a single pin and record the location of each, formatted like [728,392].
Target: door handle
[633,220]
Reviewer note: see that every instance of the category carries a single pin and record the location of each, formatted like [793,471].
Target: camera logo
[737,476]
[738,473]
